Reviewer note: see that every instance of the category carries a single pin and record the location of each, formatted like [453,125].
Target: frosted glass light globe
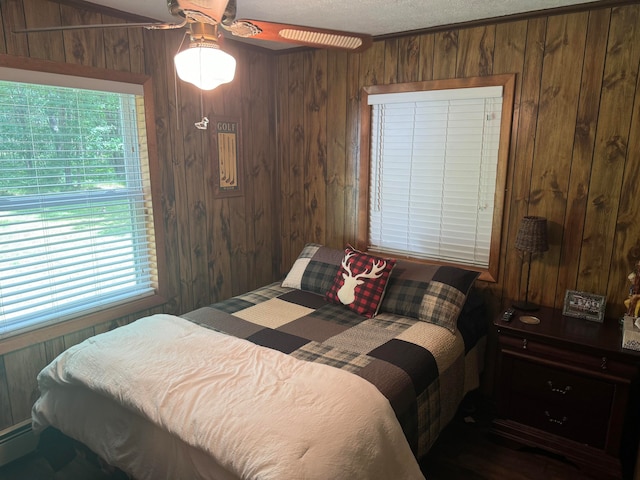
[205,66]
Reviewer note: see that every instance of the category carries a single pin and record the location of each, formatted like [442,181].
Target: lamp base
[526,306]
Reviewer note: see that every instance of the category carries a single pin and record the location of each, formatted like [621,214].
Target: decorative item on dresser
[531,239]
[584,305]
[563,385]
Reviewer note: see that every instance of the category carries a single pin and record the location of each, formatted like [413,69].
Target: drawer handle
[603,364]
[562,391]
[524,343]
[555,420]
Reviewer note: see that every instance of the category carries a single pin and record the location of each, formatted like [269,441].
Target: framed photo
[584,305]
[226,152]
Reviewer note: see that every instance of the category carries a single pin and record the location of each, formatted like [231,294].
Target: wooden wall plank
[582,155]
[408,59]
[241,230]
[559,94]
[522,161]
[181,188]
[251,172]
[22,367]
[612,136]
[284,163]
[193,140]
[475,51]
[295,137]
[3,33]
[352,140]
[218,217]
[509,56]
[6,419]
[45,45]
[261,188]
[113,324]
[13,19]
[391,57]
[219,248]
[445,54]
[157,64]
[84,47]
[53,348]
[336,147]
[372,65]
[77,337]
[315,126]
[136,50]
[116,46]
[425,58]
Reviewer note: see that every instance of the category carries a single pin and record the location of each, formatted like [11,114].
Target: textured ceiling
[375,17]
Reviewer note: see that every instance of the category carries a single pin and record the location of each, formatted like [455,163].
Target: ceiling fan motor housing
[206,11]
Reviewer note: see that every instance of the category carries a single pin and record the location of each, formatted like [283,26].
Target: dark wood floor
[466,450]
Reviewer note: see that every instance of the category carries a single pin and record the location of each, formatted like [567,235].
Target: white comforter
[258,413]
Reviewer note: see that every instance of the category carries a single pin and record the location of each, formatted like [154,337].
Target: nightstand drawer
[546,383]
[598,364]
[560,402]
[581,426]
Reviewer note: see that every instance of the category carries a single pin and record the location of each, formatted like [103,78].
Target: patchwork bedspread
[418,366]
[163,398]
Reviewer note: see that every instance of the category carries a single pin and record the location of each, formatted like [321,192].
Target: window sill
[39,335]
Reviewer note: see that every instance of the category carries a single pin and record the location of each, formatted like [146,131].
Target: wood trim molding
[43,334]
[576,8]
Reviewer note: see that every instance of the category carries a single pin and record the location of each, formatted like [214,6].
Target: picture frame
[584,305]
[227,157]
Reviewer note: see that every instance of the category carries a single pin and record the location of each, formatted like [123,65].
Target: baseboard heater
[16,442]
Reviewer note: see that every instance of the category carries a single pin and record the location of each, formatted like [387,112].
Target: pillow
[314,269]
[361,282]
[431,293]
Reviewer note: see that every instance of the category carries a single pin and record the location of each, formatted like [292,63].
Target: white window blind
[434,160]
[76,218]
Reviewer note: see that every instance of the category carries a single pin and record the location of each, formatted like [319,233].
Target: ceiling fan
[203,63]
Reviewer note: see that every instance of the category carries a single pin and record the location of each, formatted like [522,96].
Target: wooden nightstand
[563,386]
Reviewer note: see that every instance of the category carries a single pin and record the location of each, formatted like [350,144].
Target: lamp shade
[205,65]
[532,235]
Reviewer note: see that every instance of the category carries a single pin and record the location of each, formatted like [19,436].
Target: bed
[286,381]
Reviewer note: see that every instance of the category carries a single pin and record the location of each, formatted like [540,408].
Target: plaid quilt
[418,366]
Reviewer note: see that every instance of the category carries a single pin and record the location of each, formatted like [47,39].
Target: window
[76,215]
[434,170]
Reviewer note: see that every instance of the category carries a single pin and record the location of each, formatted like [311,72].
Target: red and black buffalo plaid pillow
[360,282]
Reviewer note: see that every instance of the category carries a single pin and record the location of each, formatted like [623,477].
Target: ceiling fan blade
[148,25]
[310,36]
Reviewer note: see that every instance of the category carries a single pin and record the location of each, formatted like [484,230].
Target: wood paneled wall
[574,156]
[215,247]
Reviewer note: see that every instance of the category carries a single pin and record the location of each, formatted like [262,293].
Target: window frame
[159,297]
[507,82]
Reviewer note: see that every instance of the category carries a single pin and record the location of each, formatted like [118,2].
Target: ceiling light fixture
[203,63]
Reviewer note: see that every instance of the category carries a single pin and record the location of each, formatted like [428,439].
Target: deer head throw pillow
[360,282]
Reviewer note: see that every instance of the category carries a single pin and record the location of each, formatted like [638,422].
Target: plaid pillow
[361,282]
[314,269]
[431,293]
